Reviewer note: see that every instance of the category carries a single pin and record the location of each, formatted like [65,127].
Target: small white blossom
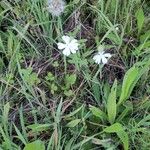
[101,57]
[69,46]
[117,28]
[56,7]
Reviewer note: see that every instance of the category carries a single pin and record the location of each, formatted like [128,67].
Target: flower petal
[104,60]
[66,51]
[74,44]
[66,39]
[108,55]
[73,51]
[97,59]
[61,45]
[74,41]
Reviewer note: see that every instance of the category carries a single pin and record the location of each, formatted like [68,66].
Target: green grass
[52,102]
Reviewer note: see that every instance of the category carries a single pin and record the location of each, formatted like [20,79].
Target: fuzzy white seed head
[56,7]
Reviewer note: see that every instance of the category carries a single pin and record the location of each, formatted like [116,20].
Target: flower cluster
[71,46]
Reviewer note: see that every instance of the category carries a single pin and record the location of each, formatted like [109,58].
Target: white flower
[117,28]
[69,46]
[56,7]
[101,57]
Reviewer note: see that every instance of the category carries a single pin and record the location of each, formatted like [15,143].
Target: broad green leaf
[131,78]
[124,138]
[140,19]
[73,123]
[117,127]
[36,145]
[111,103]
[128,83]
[39,127]
[119,130]
[96,90]
[97,112]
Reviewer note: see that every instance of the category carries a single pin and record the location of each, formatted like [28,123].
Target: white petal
[74,41]
[97,59]
[73,51]
[66,39]
[66,51]
[61,45]
[74,44]
[104,60]
[108,55]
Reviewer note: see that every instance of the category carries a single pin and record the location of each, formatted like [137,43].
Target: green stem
[99,71]
[65,65]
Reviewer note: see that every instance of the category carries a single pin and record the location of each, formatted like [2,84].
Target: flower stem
[99,71]
[65,65]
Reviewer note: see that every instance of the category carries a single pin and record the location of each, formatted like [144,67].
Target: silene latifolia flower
[69,46]
[56,7]
[102,57]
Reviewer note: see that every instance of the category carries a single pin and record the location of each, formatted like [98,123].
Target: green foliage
[119,130]
[131,78]
[96,89]
[39,127]
[140,19]
[38,145]
[97,112]
[48,102]
[50,77]
[30,77]
[112,104]
[50,81]
[73,123]
[69,82]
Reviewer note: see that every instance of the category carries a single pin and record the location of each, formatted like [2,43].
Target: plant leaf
[96,90]
[97,112]
[124,138]
[131,78]
[119,130]
[74,112]
[140,19]
[20,136]
[39,127]
[36,145]
[117,127]
[73,123]
[128,83]
[111,103]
